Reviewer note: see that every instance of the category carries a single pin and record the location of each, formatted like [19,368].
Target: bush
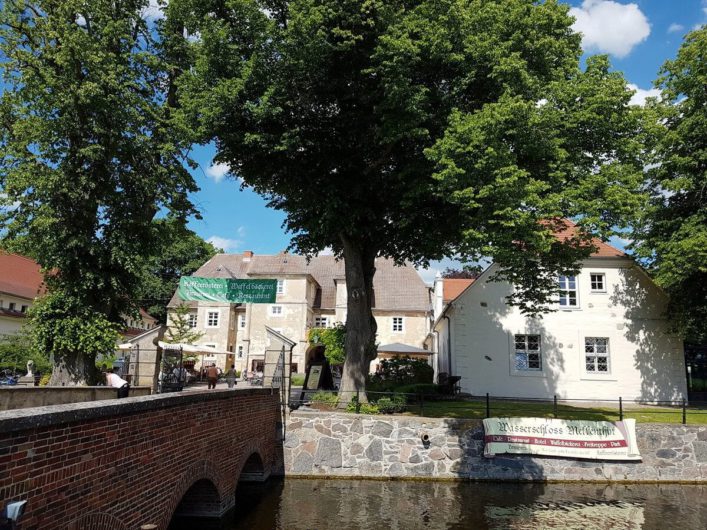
[363,408]
[297,379]
[328,398]
[426,389]
[44,381]
[391,405]
[399,371]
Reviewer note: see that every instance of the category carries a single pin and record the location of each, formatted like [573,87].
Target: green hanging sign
[230,290]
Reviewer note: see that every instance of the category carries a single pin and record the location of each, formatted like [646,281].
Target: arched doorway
[201,502]
[315,353]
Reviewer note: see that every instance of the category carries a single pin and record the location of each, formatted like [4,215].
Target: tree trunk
[360,344]
[70,369]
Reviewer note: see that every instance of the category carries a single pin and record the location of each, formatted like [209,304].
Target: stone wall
[23,397]
[348,445]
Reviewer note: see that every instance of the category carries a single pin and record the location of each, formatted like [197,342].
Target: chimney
[247,255]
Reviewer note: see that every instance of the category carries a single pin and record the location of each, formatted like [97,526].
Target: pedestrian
[212,375]
[231,377]
[114,380]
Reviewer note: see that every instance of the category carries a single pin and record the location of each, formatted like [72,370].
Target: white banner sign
[597,440]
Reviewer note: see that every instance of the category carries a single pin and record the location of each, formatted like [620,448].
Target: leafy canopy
[333,340]
[671,237]
[89,153]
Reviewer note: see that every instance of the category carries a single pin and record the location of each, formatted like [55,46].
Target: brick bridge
[122,464]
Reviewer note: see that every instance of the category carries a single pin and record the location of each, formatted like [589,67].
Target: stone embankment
[347,445]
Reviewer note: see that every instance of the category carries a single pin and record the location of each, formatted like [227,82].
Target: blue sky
[638,35]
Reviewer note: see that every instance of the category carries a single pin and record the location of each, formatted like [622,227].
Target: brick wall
[120,464]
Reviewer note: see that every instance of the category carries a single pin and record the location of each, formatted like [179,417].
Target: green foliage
[671,236]
[399,371]
[64,326]
[329,398]
[426,389]
[418,129]
[297,379]
[179,330]
[179,253]
[333,340]
[89,154]
[363,408]
[44,380]
[391,405]
[16,350]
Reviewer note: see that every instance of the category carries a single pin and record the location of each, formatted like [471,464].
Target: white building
[608,338]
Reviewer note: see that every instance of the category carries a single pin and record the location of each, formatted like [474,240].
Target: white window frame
[603,282]
[564,285]
[321,321]
[280,287]
[241,321]
[208,318]
[527,352]
[192,320]
[278,313]
[595,353]
[393,325]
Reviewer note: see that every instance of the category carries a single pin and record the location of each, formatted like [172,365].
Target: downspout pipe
[449,343]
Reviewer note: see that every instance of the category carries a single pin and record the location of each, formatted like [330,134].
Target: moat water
[293,504]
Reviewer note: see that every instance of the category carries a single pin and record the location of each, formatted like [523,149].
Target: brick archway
[201,470]
[252,448]
[97,521]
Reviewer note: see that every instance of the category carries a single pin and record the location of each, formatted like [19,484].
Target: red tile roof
[566,229]
[20,276]
[453,287]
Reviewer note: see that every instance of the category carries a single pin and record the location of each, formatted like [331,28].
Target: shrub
[329,398]
[363,408]
[44,381]
[402,371]
[391,405]
[426,389]
[297,379]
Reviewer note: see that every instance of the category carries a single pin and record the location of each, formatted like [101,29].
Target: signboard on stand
[596,440]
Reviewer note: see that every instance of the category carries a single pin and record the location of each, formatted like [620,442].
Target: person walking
[231,377]
[212,375]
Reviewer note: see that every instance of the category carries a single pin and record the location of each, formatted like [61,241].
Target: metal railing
[486,406]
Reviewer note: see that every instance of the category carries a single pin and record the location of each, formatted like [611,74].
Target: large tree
[89,154]
[413,129]
[179,252]
[672,235]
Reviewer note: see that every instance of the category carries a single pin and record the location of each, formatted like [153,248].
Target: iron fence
[486,406]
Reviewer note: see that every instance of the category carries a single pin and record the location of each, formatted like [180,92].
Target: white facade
[610,340]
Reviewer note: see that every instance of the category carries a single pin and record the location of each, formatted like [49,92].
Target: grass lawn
[477,410]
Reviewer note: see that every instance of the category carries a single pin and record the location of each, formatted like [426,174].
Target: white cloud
[610,27]
[639,98]
[326,252]
[155,10]
[225,244]
[675,28]
[218,171]
[620,242]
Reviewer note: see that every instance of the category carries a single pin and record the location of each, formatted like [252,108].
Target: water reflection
[356,504]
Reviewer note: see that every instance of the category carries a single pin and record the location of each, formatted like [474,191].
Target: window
[24,308]
[240,352]
[192,320]
[276,310]
[568,291]
[598,282]
[212,319]
[321,322]
[528,356]
[596,354]
[241,321]
[280,286]
[397,324]
[12,306]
